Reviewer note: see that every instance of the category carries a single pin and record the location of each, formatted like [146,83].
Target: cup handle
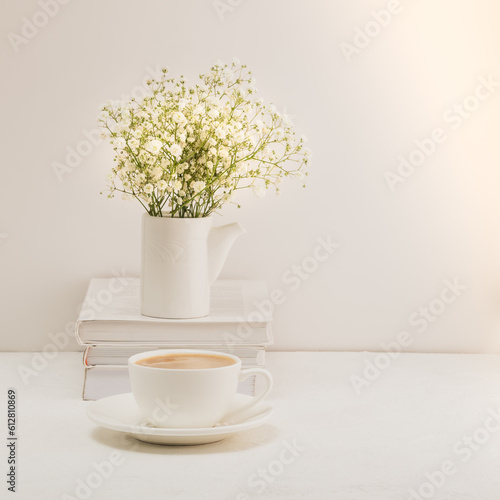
[248,372]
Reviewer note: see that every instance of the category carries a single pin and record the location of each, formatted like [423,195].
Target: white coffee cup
[192,397]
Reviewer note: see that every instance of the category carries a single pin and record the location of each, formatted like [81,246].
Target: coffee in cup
[187,361]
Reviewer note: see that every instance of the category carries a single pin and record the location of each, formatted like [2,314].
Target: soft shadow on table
[238,442]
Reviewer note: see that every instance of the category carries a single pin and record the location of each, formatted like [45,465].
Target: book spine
[177,344]
[77,334]
[86,356]
[269,332]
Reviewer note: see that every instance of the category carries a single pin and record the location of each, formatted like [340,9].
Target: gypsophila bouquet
[185,150]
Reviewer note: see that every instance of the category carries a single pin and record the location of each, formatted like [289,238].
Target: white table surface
[376,445]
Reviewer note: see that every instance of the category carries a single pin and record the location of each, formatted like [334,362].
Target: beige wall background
[371,83]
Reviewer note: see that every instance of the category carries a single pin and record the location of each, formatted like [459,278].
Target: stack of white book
[112,329]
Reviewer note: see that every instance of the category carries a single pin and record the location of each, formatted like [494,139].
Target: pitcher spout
[220,241]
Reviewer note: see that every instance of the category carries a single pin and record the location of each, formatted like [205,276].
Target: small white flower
[197,186]
[227,75]
[241,169]
[153,146]
[157,172]
[177,185]
[116,104]
[213,113]
[259,191]
[223,153]
[220,132]
[287,120]
[299,175]
[119,142]
[239,137]
[162,185]
[139,130]
[178,117]
[129,166]
[198,110]
[176,150]
[120,127]
[148,188]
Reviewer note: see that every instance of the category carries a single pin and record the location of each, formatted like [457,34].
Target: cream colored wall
[422,257]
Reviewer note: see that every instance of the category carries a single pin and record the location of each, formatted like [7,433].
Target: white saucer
[120,413]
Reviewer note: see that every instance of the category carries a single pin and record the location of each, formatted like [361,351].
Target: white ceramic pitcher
[181,258]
